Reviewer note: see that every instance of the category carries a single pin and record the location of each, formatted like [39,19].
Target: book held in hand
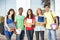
[40,19]
[18,31]
[53,26]
[29,20]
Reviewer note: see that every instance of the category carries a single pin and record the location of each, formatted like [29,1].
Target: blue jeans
[8,35]
[41,34]
[51,34]
[20,36]
[30,34]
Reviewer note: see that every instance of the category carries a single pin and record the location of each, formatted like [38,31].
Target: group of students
[38,23]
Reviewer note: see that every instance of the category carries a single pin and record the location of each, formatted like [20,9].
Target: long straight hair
[40,10]
[31,13]
[12,15]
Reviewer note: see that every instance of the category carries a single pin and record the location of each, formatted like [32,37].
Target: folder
[40,19]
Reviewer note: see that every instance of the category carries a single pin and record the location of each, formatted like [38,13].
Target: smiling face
[39,11]
[20,10]
[47,8]
[11,12]
[29,12]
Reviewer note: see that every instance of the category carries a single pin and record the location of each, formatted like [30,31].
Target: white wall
[57,7]
[10,4]
[5,5]
[23,3]
[34,4]
[2,7]
[52,5]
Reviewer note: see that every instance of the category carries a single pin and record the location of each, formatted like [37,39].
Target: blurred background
[5,5]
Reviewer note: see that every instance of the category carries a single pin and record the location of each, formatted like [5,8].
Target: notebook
[18,31]
[29,20]
[53,26]
[40,19]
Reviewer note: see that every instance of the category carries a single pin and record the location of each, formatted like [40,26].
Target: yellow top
[49,17]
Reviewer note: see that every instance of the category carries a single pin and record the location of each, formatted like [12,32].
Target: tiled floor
[14,36]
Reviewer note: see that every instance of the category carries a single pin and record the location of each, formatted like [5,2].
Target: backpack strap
[53,17]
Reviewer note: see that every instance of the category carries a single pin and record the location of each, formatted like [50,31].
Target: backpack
[54,19]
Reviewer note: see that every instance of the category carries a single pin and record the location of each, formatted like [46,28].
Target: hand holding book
[29,22]
[40,19]
[18,31]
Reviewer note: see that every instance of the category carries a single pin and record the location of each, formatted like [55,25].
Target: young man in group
[50,17]
[19,22]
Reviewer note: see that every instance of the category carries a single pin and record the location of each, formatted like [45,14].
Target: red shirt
[30,28]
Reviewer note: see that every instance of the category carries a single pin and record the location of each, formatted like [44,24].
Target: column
[57,7]
[23,3]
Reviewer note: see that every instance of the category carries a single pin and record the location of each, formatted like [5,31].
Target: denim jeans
[20,36]
[30,34]
[51,34]
[8,37]
[8,34]
[41,34]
